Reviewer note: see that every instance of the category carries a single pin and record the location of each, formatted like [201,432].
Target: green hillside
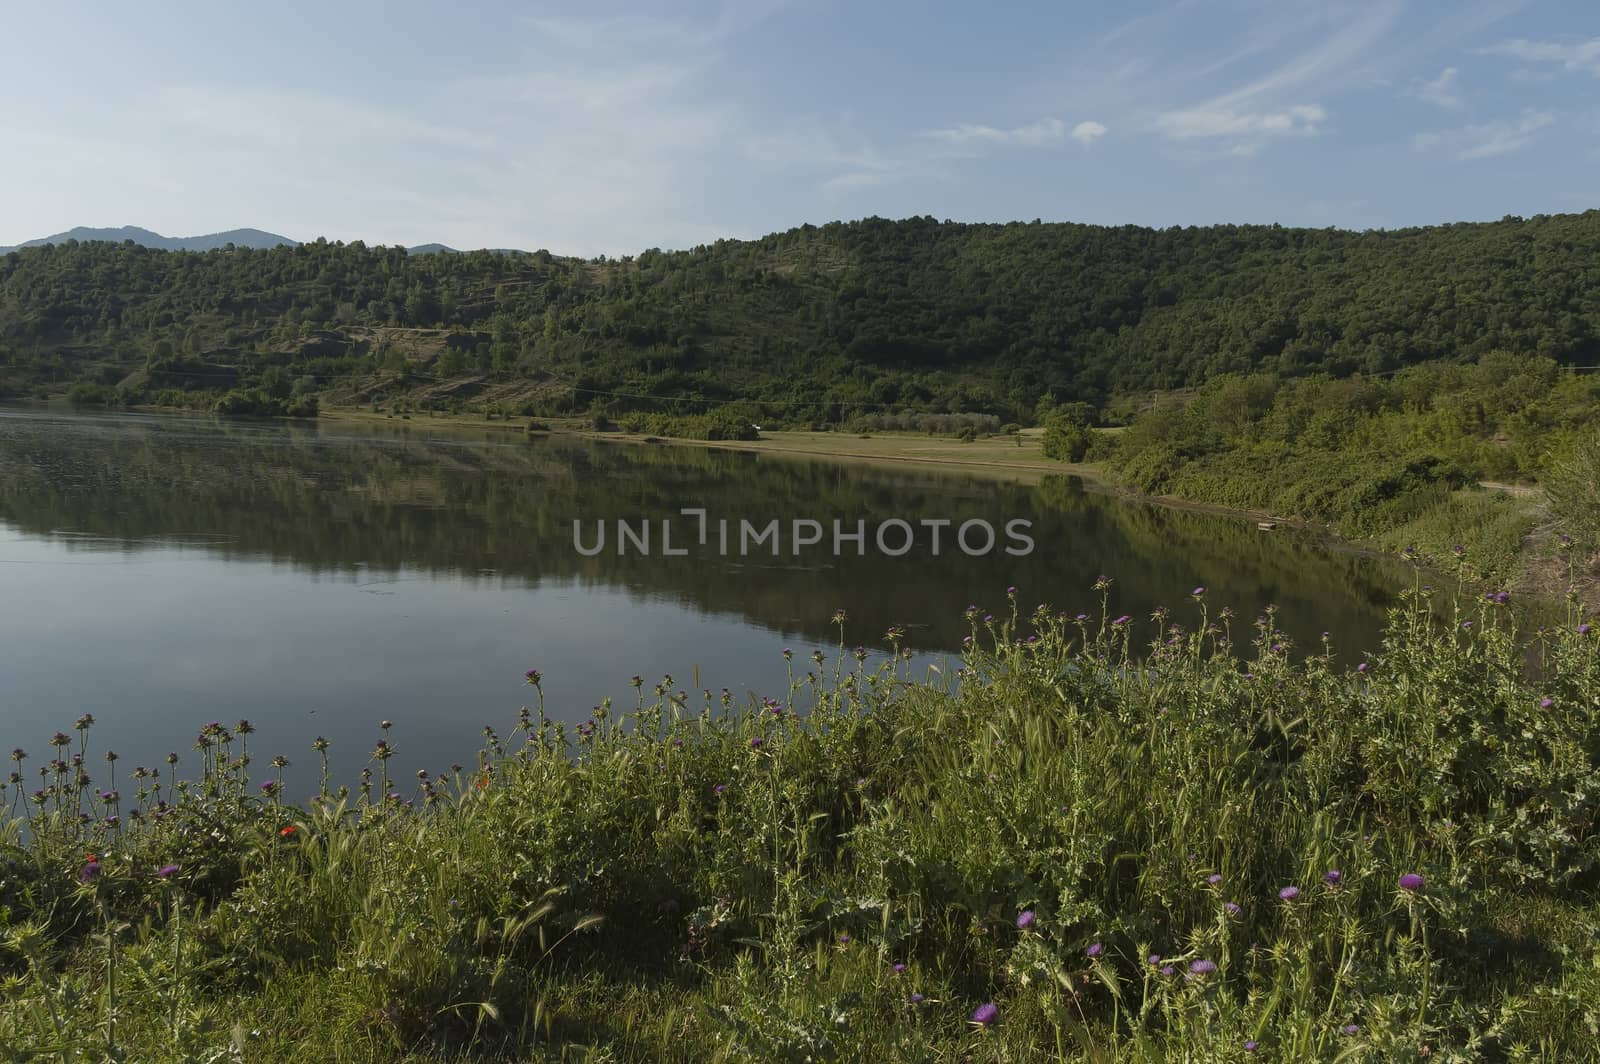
[814,325]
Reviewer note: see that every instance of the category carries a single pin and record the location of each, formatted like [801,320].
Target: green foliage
[1572,483]
[1066,439]
[1380,457]
[259,402]
[1090,835]
[90,393]
[819,324]
[722,424]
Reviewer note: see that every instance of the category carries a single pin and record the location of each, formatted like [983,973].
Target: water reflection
[161,572]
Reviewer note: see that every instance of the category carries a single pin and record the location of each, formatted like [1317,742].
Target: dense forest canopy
[810,326]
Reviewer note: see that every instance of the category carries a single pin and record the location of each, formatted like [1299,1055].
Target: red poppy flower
[288,830]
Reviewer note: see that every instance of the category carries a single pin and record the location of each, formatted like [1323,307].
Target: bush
[1067,441]
[89,393]
[1572,484]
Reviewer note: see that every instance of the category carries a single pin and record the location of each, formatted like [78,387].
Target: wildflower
[788,655]
[287,830]
[916,998]
[1362,667]
[1411,882]
[1251,1046]
[844,939]
[756,743]
[719,788]
[1094,951]
[985,1015]
[1168,969]
[1202,967]
[1545,703]
[1120,621]
[1583,629]
[1214,878]
[1332,877]
[269,787]
[1154,959]
[533,676]
[899,969]
[1350,1029]
[1025,920]
[85,722]
[90,872]
[167,871]
[1288,893]
[1198,592]
[60,739]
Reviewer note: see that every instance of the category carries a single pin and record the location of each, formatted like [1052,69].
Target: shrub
[1572,483]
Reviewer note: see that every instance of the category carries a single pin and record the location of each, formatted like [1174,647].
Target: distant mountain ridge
[243,238]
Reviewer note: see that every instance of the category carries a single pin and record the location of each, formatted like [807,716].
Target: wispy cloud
[1573,57]
[1213,121]
[1444,90]
[1086,133]
[1487,139]
[1036,134]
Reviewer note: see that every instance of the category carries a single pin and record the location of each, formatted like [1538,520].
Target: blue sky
[606,128]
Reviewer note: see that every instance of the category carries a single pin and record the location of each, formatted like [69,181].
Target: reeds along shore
[1095,837]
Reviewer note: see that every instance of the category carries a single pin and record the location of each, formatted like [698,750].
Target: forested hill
[815,324]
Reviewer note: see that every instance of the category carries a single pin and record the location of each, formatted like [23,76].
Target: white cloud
[1486,139]
[1444,90]
[1086,133]
[1212,121]
[1037,134]
[1572,57]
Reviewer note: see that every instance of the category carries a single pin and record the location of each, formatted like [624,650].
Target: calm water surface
[162,572]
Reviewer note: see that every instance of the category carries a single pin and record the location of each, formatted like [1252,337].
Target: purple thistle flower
[1251,1046]
[719,788]
[1214,878]
[1120,621]
[899,969]
[916,998]
[1332,877]
[1203,967]
[167,871]
[1154,959]
[1411,882]
[1288,893]
[1094,951]
[1168,970]
[1362,667]
[269,786]
[90,872]
[1025,919]
[986,1014]
[1350,1029]
[1545,703]
[844,939]
[756,743]
[1583,629]
[1198,592]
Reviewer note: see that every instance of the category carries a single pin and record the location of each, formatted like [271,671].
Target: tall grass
[1092,837]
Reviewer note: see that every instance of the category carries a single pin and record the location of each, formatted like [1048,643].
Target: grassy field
[1102,838]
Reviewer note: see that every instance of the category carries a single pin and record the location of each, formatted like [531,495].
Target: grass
[1090,825]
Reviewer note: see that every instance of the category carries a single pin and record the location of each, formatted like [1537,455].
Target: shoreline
[993,457]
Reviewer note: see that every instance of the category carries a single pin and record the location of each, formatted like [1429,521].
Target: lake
[161,572]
